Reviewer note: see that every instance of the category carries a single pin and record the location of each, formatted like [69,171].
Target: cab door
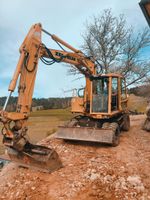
[114,94]
[100,92]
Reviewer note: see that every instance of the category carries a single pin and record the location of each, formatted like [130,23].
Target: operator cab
[108,96]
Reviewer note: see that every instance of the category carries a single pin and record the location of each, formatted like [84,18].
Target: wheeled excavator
[101,111]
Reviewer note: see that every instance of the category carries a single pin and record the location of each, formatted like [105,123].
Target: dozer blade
[85,134]
[39,157]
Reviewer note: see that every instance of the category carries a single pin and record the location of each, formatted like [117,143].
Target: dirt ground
[90,172]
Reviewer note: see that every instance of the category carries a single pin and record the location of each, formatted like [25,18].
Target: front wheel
[126,123]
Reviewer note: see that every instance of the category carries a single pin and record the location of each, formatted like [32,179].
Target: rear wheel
[126,123]
[116,136]
[105,125]
[71,123]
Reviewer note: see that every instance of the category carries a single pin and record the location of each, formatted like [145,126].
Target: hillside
[61,103]
[137,103]
[39,103]
[142,90]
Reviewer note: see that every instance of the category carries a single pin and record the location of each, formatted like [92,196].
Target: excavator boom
[19,148]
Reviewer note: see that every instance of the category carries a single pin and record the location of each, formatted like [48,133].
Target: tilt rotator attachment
[20,150]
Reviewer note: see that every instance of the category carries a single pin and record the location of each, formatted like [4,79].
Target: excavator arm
[84,65]
[15,124]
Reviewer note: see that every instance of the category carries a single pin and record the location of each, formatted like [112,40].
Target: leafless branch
[116,47]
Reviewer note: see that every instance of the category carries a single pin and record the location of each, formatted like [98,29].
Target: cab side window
[114,96]
[123,89]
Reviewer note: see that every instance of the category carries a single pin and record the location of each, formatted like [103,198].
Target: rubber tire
[71,123]
[116,138]
[105,125]
[126,123]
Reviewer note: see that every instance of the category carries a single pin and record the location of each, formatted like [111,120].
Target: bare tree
[116,47]
[133,65]
[104,38]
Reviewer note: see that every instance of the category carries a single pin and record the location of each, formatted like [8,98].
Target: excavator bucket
[90,134]
[37,157]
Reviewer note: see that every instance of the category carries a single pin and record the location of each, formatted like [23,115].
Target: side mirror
[145,7]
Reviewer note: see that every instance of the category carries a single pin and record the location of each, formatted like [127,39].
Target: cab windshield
[100,95]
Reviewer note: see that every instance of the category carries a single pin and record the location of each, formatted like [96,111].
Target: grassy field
[61,114]
[43,123]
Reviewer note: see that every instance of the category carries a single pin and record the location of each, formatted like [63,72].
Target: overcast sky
[64,18]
